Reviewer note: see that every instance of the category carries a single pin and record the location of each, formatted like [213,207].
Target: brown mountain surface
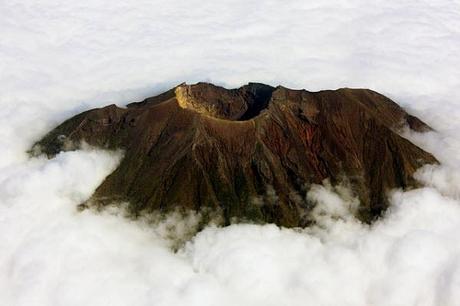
[251,152]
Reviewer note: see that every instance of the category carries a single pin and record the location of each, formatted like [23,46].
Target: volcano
[250,153]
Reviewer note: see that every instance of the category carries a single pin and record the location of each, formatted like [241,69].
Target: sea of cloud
[59,57]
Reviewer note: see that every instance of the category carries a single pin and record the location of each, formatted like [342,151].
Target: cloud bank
[58,58]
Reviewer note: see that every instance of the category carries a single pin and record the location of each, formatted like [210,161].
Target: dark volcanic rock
[204,146]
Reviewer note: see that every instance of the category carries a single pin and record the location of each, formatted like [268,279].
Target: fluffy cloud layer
[59,57]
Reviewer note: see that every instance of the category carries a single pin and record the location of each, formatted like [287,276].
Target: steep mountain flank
[249,152]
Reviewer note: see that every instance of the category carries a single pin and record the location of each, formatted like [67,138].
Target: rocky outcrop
[250,152]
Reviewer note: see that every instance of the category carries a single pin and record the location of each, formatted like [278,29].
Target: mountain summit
[250,153]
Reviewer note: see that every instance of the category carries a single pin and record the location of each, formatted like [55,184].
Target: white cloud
[59,57]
